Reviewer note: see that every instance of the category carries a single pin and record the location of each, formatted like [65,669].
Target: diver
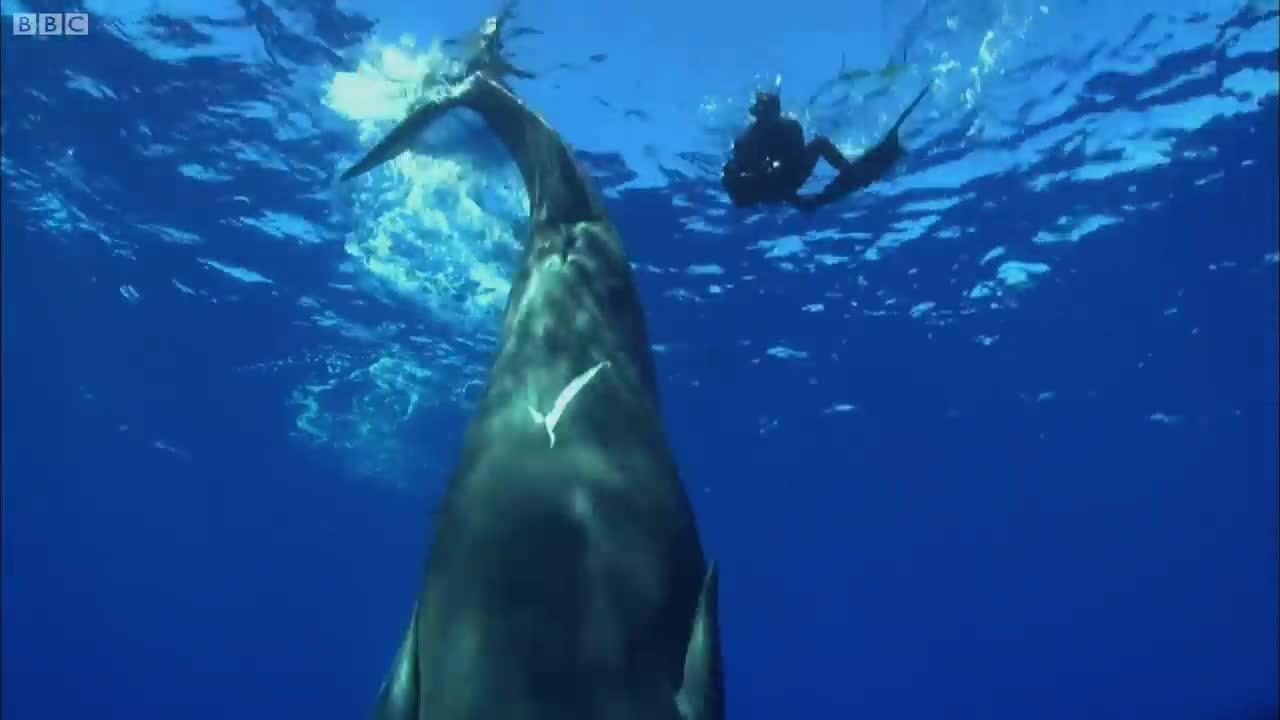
[771,161]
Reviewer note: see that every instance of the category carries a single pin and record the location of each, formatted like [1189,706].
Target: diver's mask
[767,106]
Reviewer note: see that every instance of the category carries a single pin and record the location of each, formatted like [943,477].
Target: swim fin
[905,113]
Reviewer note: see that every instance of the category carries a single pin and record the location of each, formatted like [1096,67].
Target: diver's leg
[822,146]
[818,148]
[869,168]
[866,170]
[875,163]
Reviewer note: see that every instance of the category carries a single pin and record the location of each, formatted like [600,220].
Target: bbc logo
[50,24]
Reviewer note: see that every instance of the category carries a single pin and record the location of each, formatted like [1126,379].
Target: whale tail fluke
[558,190]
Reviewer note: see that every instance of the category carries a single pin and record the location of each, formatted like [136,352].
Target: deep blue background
[1064,559]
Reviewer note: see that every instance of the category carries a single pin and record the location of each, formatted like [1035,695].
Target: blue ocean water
[994,439]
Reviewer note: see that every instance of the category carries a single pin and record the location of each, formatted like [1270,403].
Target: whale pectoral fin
[400,696]
[701,697]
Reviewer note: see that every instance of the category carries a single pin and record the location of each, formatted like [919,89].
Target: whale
[565,576]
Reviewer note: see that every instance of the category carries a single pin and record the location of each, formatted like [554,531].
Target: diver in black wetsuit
[771,161]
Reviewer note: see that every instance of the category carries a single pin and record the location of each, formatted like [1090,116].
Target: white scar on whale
[563,399]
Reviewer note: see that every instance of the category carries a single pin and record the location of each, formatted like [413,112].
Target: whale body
[565,578]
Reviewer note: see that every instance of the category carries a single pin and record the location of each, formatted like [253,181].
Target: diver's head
[767,105]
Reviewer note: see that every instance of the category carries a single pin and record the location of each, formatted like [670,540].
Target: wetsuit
[771,162]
